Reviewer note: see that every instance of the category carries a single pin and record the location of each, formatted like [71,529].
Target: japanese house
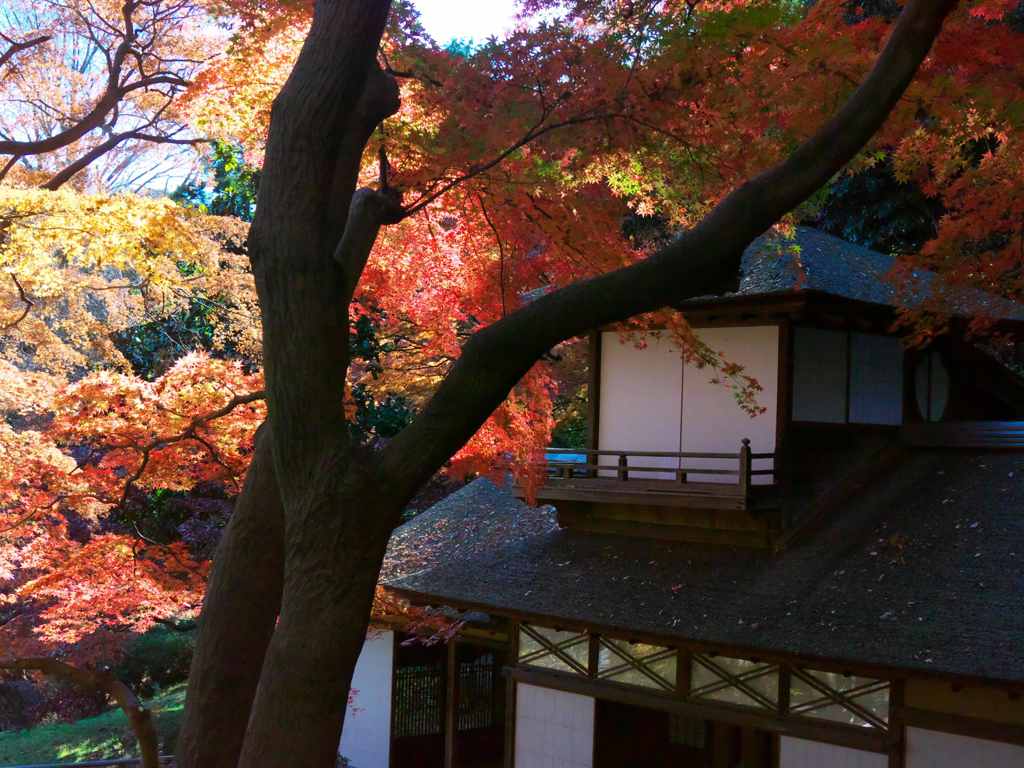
[837,581]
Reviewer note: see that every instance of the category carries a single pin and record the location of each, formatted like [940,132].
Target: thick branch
[696,263]
[369,211]
[140,718]
[64,175]
[118,86]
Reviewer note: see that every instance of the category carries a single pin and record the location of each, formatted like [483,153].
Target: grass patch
[104,736]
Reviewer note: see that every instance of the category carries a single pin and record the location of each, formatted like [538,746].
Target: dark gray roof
[924,570]
[813,260]
[476,518]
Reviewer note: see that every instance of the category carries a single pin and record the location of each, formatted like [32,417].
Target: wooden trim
[593,655]
[784,405]
[825,664]
[594,391]
[394,669]
[960,725]
[510,699]
[684,671]
[897,728]
[784,683]
[847,736]
[451,704]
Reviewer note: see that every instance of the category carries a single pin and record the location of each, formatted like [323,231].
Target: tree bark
[242,601]
[339,503]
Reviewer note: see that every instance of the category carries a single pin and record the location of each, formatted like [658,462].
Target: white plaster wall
[800,753]
[553,729]
[819,375]
[931,749]
[366,739]
[640,399]
[712,420]
[876,379]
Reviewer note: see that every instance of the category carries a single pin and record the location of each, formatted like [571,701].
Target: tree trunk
[331,575]
[241,605]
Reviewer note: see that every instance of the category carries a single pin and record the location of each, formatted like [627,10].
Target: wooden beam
[805,661]
[973,727]
[847,736]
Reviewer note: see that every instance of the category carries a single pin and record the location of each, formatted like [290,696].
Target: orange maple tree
[501,173]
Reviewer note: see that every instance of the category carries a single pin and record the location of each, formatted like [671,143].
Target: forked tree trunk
[339,503]
[242,601]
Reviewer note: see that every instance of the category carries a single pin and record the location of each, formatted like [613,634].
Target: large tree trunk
[241,606]
[330,579]
[339,503]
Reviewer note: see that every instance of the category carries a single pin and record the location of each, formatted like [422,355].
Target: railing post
[623,468]
[745,467]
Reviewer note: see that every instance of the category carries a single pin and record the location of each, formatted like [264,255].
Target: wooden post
[745,468]
[451,714]
[594,390]
[623,468]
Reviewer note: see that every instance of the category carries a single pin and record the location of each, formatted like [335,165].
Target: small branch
[140,718]
[15,47]
[501,254]
[25,300]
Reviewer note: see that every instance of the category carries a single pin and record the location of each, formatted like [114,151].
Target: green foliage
[230,188]
[153,347]
[570,413]
[379,418]
[873,209]
[155,515]
[389,415]
[157,659]
[104,736]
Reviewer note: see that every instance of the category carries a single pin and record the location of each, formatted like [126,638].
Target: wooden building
[838,581]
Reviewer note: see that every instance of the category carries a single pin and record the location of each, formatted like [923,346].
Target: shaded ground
[94,738]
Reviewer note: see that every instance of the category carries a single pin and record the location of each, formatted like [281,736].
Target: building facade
[835,581]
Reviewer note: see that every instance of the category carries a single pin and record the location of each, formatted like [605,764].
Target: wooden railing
[965,434]
[639,471]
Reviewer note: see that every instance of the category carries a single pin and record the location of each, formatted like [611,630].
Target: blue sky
[477,19]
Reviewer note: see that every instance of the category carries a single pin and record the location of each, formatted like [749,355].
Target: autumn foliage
[570,149]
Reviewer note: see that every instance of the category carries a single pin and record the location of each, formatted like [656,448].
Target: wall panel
[876,379]
[366,740]
[640,398]
[554,729]
[931,749]
[800,753]
[819,375]
[712,420]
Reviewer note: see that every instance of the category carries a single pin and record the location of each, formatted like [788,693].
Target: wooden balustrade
[725,476]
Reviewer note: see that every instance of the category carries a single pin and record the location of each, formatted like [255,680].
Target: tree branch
[24,299]
[369,211]
[697,262]
[140,718]
[17,47]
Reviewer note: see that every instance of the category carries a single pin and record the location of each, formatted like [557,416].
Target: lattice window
[553,649]
[735,681]
[849,699]
[648,666]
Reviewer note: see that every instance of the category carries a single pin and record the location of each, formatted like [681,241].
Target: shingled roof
[813,260]
[924,570]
